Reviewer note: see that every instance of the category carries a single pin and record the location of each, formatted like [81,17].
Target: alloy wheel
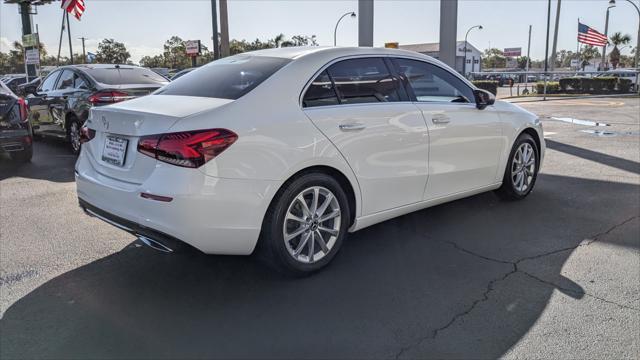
[312,224]
[523,167]
[74,136]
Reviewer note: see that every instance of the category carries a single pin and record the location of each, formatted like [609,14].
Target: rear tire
[521,171]
[301,235]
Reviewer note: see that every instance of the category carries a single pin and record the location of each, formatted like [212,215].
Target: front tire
[522,169]
[305,225]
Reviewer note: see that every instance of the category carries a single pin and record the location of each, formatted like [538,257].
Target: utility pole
[365,22]
[546,49]
[214,25]
[224,29]
[448,31]
[25,15]
[526,71]
[84,53]
[555,37]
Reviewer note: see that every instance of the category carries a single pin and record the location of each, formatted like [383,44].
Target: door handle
[351,127]
[440,119]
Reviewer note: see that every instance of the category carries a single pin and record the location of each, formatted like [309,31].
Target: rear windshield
[228,78]
[126,76]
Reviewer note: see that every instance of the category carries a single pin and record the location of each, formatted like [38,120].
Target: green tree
[493,58]
[112,52]
[617,39]
[587,54]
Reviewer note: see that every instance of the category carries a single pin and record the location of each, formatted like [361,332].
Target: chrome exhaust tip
[154,244]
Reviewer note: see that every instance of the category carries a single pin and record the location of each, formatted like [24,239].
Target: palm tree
[617,39]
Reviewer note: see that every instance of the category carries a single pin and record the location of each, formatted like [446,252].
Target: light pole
[335,31]
[606,33]
[613,3]
[464,63]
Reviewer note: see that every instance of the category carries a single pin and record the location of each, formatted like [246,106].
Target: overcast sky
[144,25]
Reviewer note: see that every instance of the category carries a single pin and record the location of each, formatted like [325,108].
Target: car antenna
[117,66]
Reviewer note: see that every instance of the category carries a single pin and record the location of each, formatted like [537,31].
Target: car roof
[301,51]
[100,66]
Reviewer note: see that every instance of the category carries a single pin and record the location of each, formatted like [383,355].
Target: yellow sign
[30,40]
[391,45]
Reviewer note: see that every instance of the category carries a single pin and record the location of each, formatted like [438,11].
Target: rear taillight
[109,97]
[188,149]
[24,110]
[86,134]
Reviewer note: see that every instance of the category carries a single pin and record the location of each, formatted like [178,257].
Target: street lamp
[464,63]
[612,3]
[335,31]
[606,33]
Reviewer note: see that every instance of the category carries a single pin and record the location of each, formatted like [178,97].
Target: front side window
[320,92]
[79,83]
[66,80]
[431,83]
[50,81]
[228,78]
[364,80]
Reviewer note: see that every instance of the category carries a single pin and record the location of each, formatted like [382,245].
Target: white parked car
[287,150]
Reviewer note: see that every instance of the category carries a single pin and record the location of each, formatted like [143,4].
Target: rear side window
[228,78]
[66,80]
[50,81]
[320,92]
[364,80]
[126,76]
[431,83]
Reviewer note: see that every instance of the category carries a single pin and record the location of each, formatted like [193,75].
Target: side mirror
[483,98]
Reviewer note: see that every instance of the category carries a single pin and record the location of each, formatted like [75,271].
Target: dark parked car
[28,88]
[60,105]
[15,130]
[181,72]
[14,81]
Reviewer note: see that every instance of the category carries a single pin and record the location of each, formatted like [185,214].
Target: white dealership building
[474,56]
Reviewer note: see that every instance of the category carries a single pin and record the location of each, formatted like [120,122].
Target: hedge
[597,85]
[553,87]
[489,85]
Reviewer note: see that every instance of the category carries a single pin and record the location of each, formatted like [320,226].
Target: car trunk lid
[118,128]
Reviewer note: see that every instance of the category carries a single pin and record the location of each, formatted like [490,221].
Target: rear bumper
[157,239]
[14,140]
[214,215]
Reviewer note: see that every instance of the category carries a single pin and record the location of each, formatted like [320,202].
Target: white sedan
[285,151]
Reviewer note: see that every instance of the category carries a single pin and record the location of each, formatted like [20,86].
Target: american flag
[74,7]
[589,36]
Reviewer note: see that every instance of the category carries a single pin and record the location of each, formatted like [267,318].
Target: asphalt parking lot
[554,276]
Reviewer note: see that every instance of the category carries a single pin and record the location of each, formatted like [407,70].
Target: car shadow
[51,161]
[395,287]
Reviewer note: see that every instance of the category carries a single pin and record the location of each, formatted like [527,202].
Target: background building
[474,56]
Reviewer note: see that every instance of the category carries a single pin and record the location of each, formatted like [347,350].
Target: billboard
[510,52]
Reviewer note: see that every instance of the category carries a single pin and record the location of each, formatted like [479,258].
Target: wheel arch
[536,137]
[352,190]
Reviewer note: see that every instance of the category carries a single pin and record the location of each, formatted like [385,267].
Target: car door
[39,102]
[58,104]
[465,142]
[361,106]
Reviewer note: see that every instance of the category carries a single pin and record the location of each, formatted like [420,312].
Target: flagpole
[69,34]
[60,42]
[578,46]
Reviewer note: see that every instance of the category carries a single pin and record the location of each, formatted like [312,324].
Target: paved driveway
[554,276]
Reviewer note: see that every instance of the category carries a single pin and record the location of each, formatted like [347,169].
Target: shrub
[489,85]
[553,87]
[566,83]
[624,85]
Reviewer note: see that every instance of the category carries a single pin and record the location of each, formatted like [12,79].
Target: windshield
[228,78]
[126,76]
